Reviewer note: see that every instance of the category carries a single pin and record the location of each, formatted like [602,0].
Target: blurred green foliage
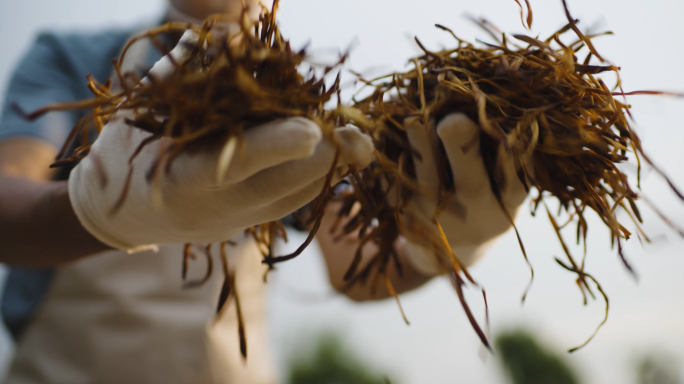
[527,362]
[331,363]
[657,370]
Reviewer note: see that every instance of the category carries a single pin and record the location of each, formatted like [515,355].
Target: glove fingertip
[457,129]
[295,138]
[357,147]
[306,134]
[412,123]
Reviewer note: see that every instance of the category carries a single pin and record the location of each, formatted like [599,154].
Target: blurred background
[643,340]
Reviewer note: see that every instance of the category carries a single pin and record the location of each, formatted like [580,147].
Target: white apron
[118,318]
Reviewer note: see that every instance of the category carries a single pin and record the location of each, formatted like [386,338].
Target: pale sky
[439,346]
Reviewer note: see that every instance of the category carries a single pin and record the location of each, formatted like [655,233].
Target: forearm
[340,254]
[38,227]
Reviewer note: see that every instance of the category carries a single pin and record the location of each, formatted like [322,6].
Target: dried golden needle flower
[228,84]
[532,98]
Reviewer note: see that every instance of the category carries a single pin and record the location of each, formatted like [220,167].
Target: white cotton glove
[276,168]
[472,218]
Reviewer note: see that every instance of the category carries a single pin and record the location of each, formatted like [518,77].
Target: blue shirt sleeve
[42,77]
[54,71]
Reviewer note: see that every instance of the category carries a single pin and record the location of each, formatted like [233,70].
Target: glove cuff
[426,263]
[420,259]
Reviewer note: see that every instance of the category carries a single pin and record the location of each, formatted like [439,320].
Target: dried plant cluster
[228,84]
[532,99]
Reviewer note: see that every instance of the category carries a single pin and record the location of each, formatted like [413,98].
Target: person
[95,297]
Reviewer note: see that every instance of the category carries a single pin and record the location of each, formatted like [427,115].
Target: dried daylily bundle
[228,84]
[532,99]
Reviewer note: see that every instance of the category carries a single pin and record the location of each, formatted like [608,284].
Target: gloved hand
[276,168]
[472,219]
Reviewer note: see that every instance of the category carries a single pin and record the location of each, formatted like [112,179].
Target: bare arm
[339,255]
[38,227]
